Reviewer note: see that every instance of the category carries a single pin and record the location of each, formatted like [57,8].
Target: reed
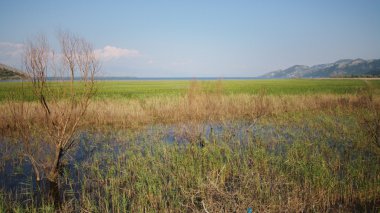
[210,151]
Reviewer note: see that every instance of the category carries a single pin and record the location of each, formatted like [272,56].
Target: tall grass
[202,107]
[307,166]
[314,153]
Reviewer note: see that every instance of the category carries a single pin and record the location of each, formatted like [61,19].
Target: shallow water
[17,173]
[17,178]
[16,170]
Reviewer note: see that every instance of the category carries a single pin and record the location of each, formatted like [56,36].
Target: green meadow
[139,89]
[142,89]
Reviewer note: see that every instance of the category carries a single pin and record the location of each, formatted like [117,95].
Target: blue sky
[202,38]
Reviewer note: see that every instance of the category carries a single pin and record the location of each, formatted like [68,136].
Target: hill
[341,68]
[10,73]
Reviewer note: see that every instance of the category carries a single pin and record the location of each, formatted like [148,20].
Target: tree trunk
[35,166]
[53,176]
[377,133]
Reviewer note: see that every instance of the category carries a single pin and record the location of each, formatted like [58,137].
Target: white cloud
[11,49]
[110,52]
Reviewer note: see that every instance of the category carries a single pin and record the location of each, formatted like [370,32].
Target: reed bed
[326,163]
[225,153]
[198,108]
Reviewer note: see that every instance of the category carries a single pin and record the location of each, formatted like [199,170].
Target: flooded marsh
[203,151]
[318,164]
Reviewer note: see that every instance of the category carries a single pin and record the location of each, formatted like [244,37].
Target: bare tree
[63,83]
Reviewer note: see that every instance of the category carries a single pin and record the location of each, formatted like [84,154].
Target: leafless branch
[63,103]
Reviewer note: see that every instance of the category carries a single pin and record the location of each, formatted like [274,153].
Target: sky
[199,38]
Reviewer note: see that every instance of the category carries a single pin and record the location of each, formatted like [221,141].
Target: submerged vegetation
[273,145]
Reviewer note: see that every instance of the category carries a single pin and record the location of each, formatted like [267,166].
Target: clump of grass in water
[314,175]
[309,173]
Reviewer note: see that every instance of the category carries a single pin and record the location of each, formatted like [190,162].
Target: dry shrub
[54,122]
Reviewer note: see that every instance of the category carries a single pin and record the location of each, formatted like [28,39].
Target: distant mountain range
[342,68]
[10,73]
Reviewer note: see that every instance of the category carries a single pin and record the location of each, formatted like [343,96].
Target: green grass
[313,160]
[143,89]
[314,163]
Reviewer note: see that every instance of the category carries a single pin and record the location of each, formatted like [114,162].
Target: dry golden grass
[189,108]
[209,108]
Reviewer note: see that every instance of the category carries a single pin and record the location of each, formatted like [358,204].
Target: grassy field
[204,146]
[143,89]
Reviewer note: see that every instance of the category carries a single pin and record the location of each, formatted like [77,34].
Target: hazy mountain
[344,67]
[10,73]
